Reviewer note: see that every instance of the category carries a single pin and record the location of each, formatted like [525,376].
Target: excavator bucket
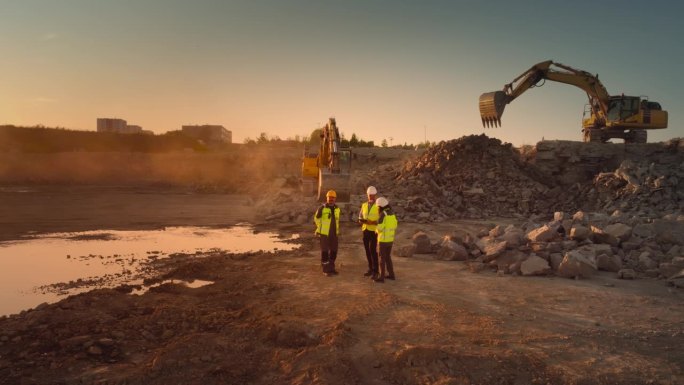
[339,182]
[492,105]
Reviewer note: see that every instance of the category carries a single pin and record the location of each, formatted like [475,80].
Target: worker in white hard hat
[368,218]
[327,220]
[386,228]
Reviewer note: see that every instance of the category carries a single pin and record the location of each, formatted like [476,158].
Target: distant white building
[118,126]
[209,133]
[111,125]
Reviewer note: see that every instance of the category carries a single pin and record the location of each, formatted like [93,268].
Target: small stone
[95,350]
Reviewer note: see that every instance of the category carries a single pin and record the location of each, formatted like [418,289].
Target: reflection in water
[106,258]
[193,285]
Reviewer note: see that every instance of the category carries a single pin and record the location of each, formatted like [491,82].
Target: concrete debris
[535,265]
[477,177]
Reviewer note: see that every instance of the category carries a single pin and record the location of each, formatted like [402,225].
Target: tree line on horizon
[43,139]
[353,141]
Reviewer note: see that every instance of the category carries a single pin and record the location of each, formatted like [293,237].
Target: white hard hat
[371,190]
[382,202]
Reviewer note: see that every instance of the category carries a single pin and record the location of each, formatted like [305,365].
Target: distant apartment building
[119,126]
[209,133]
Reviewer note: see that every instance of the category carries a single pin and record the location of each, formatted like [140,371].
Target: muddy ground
[273,318]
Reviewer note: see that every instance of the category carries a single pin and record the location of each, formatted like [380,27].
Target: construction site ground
[274,318]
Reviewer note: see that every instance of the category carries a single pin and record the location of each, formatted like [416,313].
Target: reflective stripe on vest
[323,223]
[387,228]
[372,214]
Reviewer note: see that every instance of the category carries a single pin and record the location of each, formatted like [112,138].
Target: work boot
[368,273]
[378,279]
[390,277]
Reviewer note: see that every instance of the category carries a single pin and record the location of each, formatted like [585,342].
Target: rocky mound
[479,177]
[471,177]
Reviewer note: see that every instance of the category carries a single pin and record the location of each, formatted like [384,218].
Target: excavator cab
[336,179]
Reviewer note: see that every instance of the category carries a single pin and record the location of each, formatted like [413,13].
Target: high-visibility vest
[323,218]
[387,226]
[371,213]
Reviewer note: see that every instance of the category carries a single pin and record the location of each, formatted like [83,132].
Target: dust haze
[228,172]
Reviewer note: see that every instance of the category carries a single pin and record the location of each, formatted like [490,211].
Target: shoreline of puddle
[49,267]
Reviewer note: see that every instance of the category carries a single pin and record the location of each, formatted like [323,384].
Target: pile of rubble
[628,205]
[572,248]
[479,177]
[471,177]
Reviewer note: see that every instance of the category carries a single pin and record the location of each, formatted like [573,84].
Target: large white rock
[579,232]
[678,279]
[627,274]
[669,232]
[600,236]
[598,249]
[534,265]
[405,251]
[452,251]
[494,249]
[646,262]
[609,263]
[514,237]
[580,217]
[619,230]
[497,231]
[542,234]
[669,270]
[422,243]
[577,264]
[644,230]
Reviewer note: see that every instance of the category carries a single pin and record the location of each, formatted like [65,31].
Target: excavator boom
[330,169]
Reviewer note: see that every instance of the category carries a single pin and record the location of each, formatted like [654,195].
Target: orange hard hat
[331,193]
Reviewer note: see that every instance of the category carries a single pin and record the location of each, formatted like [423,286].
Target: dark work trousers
[386,259]
[370,243]
[328,252]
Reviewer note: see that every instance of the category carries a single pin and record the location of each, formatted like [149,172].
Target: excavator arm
[492,104]
[334,164]
[617,116]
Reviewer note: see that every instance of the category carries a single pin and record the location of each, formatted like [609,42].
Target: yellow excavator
[605,117]
[329,168]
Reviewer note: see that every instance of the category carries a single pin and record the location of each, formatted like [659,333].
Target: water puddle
[193,285]
[49,267]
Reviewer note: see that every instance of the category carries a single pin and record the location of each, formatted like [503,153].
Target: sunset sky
[399,70]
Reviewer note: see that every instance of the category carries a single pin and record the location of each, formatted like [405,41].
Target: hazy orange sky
[404,71]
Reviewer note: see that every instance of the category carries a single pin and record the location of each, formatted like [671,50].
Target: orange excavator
[605,117]
[329,168]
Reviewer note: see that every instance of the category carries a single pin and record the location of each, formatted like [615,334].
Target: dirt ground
[274,318]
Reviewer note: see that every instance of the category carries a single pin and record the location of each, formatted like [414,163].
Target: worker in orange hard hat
[327,220]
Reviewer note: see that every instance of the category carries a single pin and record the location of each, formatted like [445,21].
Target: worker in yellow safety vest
[368,218]
[327,220]
[386,228]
